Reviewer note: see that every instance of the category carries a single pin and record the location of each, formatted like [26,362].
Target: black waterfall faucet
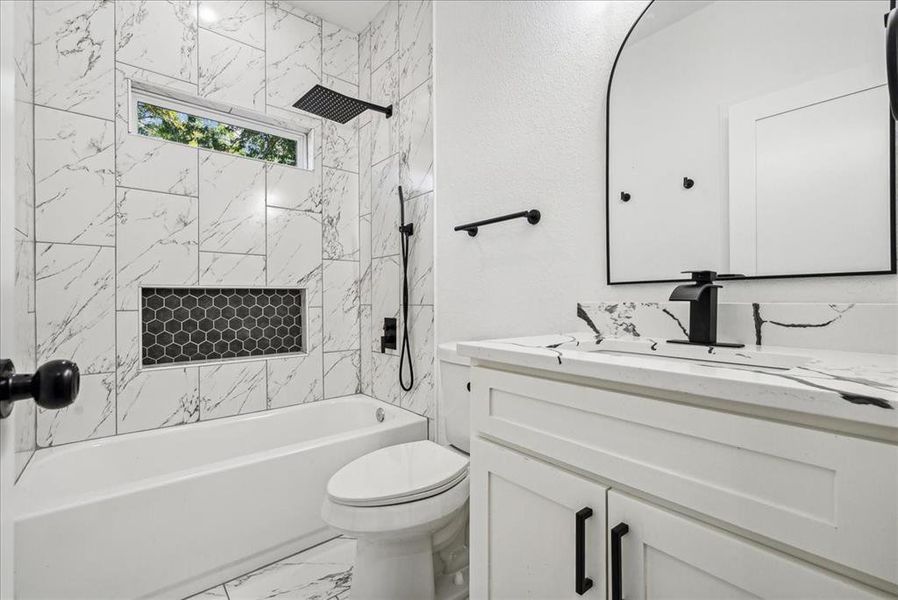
[702,298]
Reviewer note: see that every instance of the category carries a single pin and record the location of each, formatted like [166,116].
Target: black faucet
[702,298]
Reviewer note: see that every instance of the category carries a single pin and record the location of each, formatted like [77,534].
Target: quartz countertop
[855,389]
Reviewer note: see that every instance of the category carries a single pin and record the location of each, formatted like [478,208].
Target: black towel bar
[531,215]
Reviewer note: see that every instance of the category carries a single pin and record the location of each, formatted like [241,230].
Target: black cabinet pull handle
[617,532]
[582,583]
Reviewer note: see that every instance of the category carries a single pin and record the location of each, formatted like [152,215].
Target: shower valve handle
[53,385]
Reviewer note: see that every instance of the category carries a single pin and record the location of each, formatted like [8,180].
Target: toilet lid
[398,474]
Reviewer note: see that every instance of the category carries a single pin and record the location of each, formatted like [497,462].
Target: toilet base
[400,569]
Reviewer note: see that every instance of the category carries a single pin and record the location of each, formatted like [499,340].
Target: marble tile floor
[319,573]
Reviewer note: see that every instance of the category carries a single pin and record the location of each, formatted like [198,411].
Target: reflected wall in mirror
[751,137]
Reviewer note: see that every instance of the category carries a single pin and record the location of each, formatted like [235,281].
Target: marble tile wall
[395,67]
[103,212]
[24,354]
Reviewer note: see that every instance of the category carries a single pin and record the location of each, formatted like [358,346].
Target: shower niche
[200,324]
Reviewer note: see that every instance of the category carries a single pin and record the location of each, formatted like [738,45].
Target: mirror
[751,137]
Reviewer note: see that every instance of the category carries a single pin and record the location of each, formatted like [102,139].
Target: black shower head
[332,105]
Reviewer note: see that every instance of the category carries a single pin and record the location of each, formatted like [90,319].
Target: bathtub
[172,512]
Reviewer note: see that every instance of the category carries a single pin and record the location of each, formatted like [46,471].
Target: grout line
[73,112]
[218,33]
[138,189]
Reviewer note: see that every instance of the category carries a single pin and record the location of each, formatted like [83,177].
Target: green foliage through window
[200,132]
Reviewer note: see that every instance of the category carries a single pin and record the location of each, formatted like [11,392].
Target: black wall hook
[688,183]
[625,196]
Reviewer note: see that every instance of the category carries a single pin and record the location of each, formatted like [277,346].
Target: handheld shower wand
[406,230]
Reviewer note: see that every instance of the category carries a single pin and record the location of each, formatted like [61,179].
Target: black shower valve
[53,385]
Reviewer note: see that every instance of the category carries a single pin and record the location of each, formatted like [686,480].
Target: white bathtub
[171,512]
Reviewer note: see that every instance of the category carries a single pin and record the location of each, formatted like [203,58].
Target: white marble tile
[293,580]
[23,51]
[149,399]
[385,377]
[24,275]
[147,163]
[289,187]
[384,91]
[157,242]
[231,269]
[241,20]
[23,143]
[74,51]
[92,415]
[75,305]
[74,178]
[385,287]
[25,442]
[341,373]
[340,215]
[365,259]
[216,593]
[421,399]
[298,379]
[293,57]
[419,211]
[385,34]
[341,305]
[293,8]
[294,251]
[232,389]
[366,366]
[340,56]
[416,142]
[231,72]
[365,72]
[365,169]
[385,208]
[158,35]
[231,203]
[341,141]
[415,43]
[339,551]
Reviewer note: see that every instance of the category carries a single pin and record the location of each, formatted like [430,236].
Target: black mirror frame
[893,246]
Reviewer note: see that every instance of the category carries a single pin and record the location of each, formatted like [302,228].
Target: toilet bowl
[407,506]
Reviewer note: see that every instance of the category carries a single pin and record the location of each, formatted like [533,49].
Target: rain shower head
[332,105]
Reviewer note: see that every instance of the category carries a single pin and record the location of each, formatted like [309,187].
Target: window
[205,124]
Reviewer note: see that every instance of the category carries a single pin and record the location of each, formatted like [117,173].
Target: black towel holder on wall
[533,216]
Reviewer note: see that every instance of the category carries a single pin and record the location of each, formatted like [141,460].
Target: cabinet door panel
[523,527]
[668,556]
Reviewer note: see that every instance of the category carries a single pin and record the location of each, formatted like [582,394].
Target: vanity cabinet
[525,517]
[665,555]
[718,505]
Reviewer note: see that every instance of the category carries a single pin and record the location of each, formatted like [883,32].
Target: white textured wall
[519,123]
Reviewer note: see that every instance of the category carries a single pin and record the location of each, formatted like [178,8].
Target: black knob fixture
[688,183]
[625,196]
[53,386]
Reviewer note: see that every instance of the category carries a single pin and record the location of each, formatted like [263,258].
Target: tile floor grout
[300,576]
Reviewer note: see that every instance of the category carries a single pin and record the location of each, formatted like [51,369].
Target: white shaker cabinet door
[667,556]
[525,516]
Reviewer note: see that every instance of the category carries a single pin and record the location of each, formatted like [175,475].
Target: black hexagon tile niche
[181,325]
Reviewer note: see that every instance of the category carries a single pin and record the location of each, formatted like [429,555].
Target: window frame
[223,113]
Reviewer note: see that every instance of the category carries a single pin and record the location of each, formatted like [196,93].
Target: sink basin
[734,356]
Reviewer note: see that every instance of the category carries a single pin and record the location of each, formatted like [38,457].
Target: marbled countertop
[853,388]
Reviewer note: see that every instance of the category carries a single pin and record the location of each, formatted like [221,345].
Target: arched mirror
[751,137]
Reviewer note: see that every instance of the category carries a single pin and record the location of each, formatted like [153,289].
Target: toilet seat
[398,474]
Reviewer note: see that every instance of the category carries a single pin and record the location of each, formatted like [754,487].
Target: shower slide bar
[531,215]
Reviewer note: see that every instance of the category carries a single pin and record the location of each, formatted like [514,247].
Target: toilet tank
[454,396]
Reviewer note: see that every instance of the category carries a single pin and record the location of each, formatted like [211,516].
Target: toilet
[407,505]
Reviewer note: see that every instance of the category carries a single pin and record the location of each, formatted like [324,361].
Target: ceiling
[353,15]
